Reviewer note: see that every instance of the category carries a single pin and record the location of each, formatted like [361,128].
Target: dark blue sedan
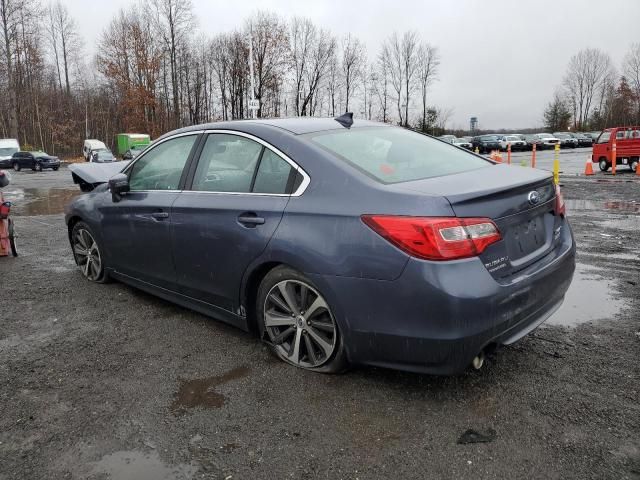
[336,242]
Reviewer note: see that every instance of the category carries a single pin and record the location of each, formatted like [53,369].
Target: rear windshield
[393,155]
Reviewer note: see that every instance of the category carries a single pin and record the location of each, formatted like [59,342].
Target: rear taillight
[559,207]
[436,238]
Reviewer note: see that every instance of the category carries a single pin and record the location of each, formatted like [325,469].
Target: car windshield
[512,138]
[562,135]
[7,151]
[604,137]
[393,155]
[38,153]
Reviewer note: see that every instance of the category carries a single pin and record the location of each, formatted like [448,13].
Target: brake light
[436,238]
[560,208]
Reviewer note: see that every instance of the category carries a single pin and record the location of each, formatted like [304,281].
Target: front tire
[634,165]
[87,253]
[603,164]
[16,166]
[297,323]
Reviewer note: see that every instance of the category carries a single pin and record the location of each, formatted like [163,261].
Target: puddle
[39,201]
[590,297]
[619,206]
[135,465]
[198,392]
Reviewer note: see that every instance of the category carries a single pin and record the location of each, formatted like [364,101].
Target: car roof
[294,125]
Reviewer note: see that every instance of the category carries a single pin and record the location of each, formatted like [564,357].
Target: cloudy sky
[500,59]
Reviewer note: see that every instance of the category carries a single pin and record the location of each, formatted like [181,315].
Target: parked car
[566,140]
[513,140]
[583,139]
[133,152]
[91,145]
[429,257]
[460,142]
[447,138]
[546,140]
[627,147]
[8,146]
[486,143]
[36,161]
[102,155]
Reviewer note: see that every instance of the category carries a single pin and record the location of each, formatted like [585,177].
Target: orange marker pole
[533,156]
[509,154]
[614,156]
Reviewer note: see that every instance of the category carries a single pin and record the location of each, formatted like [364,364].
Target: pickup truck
[627,141]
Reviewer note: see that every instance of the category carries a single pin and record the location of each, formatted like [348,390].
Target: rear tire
[312,342]
[603,164]
[55,169]
[37,167]
[633,165]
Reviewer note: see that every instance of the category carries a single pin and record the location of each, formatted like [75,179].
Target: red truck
[627,140]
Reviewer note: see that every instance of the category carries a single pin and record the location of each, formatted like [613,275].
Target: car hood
[97,172]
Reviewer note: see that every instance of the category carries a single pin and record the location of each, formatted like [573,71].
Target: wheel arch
[73,220]
[249,291]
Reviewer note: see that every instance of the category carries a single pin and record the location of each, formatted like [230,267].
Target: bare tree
[631,69]
[353,61]
[12,13]
[428,63]
[333,84]
[174,19]
[63,27]
[380,77]
[269,37]
[586,73]
[400,57]
[311,51]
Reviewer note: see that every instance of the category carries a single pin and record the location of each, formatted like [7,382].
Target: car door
[225,220]
[136,229]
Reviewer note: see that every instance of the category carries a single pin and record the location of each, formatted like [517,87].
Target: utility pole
[254,105]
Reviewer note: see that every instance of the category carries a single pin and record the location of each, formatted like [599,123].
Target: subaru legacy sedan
[337,242]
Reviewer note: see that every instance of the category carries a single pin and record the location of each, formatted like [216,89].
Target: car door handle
[250,220]
[160,215]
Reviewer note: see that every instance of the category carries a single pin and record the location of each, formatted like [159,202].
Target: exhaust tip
[478,361]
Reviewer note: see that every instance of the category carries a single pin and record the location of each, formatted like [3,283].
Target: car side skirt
[184,301]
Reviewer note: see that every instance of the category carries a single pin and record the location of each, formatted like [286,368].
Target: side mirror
[118,185]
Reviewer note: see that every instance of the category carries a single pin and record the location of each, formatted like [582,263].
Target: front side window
[392,155]
[161,168]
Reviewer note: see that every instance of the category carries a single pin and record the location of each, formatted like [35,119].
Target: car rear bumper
[437,316]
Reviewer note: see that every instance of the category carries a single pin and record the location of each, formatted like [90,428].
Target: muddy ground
[103,381]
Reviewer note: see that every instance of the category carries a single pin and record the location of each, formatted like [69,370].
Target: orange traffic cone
[588,168]
[638,169]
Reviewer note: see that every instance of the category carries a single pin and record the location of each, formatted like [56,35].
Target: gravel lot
[103,381]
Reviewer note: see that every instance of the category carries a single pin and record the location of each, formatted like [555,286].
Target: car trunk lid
[520,201]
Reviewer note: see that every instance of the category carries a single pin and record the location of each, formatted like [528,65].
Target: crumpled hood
[94,173]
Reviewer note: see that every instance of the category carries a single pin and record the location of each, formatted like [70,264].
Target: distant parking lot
[103,381]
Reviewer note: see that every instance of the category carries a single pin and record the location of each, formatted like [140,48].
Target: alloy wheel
[300,324]
[87,254]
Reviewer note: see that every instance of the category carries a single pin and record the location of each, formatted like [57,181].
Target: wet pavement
[106,382]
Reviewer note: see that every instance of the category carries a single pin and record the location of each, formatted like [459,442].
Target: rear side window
[227,164]
[273,174]
[393,155]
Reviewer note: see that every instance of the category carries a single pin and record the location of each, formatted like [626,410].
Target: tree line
[154,70]
[595,95]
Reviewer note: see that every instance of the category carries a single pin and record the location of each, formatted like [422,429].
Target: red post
[509,153]
[533,156]
[614,155]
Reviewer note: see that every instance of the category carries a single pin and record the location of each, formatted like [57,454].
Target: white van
[90,145]
[8,146]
